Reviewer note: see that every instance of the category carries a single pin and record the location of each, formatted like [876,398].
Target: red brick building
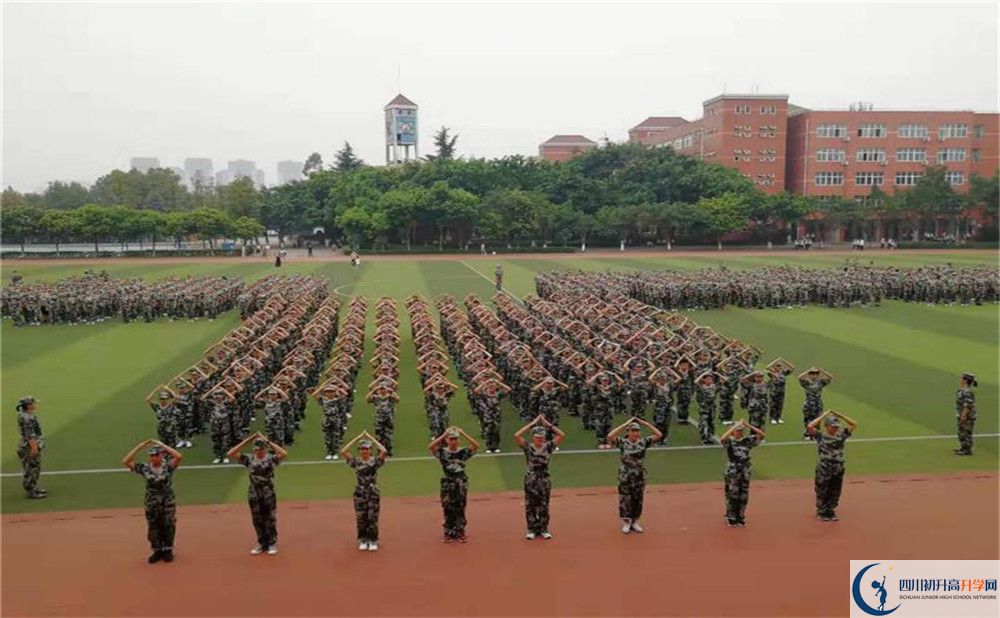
[847,153]
[651,130]
[744,131]
[564,147]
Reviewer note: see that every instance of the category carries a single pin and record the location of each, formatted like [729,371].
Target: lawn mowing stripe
[513,295]
[689,447]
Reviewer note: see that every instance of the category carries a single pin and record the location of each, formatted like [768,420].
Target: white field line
[492,282]
[693,447]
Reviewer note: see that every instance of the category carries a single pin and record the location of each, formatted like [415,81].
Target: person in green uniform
[632,469]
[367,498]
[29,449]
[454,481]
[965,412]
[261,496]
[537,482]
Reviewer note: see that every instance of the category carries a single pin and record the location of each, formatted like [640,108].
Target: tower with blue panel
[400,131]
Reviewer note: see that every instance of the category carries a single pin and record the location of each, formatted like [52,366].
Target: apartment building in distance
[846,153]
[564,147]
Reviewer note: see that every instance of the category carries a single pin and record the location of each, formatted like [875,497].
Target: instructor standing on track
[29,450]
[161,505]
[454,481]
[632,470]
[498,277]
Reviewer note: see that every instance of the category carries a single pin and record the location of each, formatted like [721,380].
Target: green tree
[95,223]
[401,207]
[19,222]
[58,225]
[519,211]
[178,225]
[151,224]
[932,197]
[355,222]
[247,229]
[65,195]
[723,214]
[444,144]
[161,189]
[209,224]
[313,164]
[239,198]
[345,160]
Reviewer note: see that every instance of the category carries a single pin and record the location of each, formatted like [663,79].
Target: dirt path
[299,256]
[786,562]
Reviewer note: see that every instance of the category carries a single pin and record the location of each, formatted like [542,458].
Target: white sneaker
[225,460]
[179,444]
[530,536]
[496,450]
[637,528]
[546,535]
[257,550]
[328,457]
[626,526]
[727,422]
[373,547]
[774,422]
[216,460]
[335,457]
[362,546]
[781,421]
[272,550]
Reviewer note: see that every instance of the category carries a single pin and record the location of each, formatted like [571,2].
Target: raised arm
[613,434]
[129,460]
[175,456]
[473,444]
[234,453]
[560,435]
[345,451]
[435,444]
[279,453]
[519,436]
[382,451]
[813,424]
[656,432]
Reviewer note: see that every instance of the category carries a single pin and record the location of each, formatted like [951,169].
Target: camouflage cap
[155,449]
[165,395]
[831,421]
[453,433]
[634,426]
[538,430]
[259,443]
[26,401]
[365,444]
[970,378]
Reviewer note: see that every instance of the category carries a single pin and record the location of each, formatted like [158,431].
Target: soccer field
[896,369]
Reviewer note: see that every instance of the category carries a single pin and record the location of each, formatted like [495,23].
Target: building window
[830,154]
[907,179]
[678,143]
[913,130]
[768,109]
[688,141]
[744,109]
[831,130]
[975,155]
[955,178]
[949,155]
[871,130]
[911,155]
[768,130]
[869,179]
[947,131]
[979,131]
[829,179]
[870,154]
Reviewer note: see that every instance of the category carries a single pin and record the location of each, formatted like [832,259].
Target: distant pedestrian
[29,450]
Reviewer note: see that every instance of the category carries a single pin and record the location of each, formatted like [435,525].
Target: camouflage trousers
[829,482]
[776,403]
[662,412]
[454,492]
[185,422]
[333,433]
[638,404]
[264,513]
[491,429]
[161,524]
[602,423]
[31,466]
[384,428]
[537,491]
[706,420]
[631,490]
[274,428]
[726,395]
[811,408]
[220,439]
[166,431]
[683,404]
[437,420]
[587,414]
[367,501]
[965,433]
[290,426]
[757,412]
[737,481]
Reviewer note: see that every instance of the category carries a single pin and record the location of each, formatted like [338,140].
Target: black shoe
[168,555]
[960,451]
[156,556]
[732,523]
[832,516]
[36,495]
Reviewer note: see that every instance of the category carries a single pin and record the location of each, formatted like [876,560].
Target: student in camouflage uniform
[632,470]
[738,441]
[756,398]
[385,418]
[965,413]
[663,405]
[334,421]
[498,278]
[729,383]
[602,406]
[684,390]
[830,464]
[184,405]
[776,393]
[707,390]
[367,498]
[29,449]
[263,501]
[220,426]
[161,505]
[454,481]
[813,381]
[274,415]
[166,418]
[537,482]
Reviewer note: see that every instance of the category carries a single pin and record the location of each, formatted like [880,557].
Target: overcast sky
[87,86]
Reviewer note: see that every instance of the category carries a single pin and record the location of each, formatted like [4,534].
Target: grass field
[897,367]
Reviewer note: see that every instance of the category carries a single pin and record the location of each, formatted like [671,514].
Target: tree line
[624,192]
